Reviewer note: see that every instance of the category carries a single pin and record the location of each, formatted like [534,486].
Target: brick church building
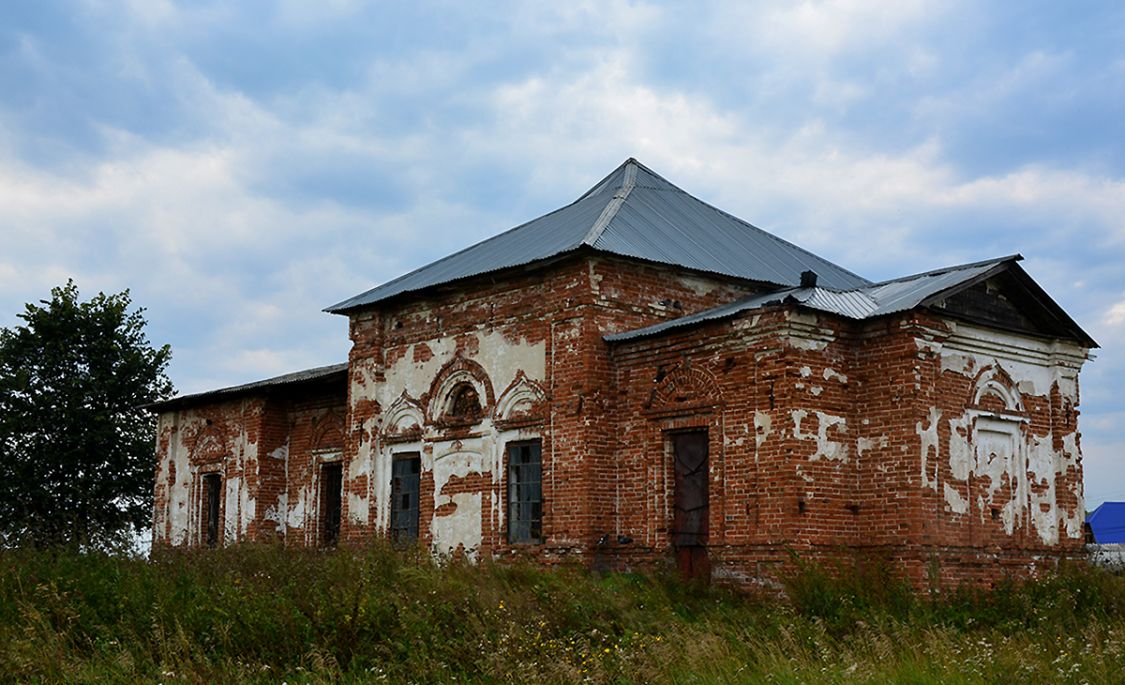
[638,379]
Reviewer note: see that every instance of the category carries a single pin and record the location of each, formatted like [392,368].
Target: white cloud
[1115,316]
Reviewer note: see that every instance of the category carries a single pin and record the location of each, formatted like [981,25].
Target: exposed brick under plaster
[948,448]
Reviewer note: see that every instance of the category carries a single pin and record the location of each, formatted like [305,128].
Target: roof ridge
[957,267]
[614,205]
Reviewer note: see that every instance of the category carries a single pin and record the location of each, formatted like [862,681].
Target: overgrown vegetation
[268,615]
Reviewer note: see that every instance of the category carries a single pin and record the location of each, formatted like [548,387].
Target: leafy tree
[76,446]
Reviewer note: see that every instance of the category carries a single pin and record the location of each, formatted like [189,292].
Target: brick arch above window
[404,418]
[209,446]
[685,387]
[328,431]
[523,401]
[450,391]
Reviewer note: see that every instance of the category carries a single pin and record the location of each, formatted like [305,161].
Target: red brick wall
[850,478]
[822,431]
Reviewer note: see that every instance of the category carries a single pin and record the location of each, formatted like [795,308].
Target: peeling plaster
[462,526]
[929,438]
[763,424]
[1009,469]
[826,448]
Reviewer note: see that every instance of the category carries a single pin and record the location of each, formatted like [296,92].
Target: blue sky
[241,166]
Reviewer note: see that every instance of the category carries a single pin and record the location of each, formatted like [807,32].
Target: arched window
[464,403]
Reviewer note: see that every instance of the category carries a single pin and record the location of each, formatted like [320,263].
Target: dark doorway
[405,476]
[212,490]
[331,500]
[691,504]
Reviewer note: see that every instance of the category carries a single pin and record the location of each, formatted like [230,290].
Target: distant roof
[633,212]
[876,299]
[320,373]
[1107,522]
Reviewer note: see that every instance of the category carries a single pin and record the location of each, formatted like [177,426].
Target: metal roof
[308,375]
[633,212]
[1107,522]
[878,299]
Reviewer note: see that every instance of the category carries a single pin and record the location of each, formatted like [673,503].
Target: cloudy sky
[241,166]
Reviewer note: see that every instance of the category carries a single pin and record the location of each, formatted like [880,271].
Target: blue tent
[1107,522]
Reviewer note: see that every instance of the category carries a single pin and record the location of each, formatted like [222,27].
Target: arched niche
[328,432]
[523,401]
[209,446]
[994,381]
[404,418]
[453,391]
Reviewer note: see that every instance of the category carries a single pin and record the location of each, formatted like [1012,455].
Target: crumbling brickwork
[639,378]
[949,448]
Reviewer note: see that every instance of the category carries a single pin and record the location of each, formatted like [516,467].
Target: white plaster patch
[960,448]
[462,528]
[829,374]
[826,448]
[276,513]
[808,344]
[357,508]
[763,424]
[296,517]
[863,445]
[954,502]
[929,438]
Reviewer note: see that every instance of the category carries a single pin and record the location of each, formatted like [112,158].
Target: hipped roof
[633,212]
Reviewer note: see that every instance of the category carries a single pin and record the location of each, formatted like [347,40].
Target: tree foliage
[76,446]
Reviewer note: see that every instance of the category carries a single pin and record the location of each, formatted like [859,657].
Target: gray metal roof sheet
[871,301]
[314,374]
[632,212]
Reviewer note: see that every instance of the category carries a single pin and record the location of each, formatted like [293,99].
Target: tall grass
[269,614]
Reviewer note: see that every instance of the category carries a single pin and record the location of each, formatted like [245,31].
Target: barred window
[525,492]
[405,475]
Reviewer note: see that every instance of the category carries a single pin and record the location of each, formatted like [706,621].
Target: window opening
[212,490]
[406,472]
[331,501]
[525,492]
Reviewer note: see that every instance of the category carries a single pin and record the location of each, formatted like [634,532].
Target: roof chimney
[808,279]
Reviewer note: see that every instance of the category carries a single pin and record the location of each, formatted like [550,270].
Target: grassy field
[269,615]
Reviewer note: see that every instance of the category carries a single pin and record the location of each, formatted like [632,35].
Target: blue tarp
[1108,523]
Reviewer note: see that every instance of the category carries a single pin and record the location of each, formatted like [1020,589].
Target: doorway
[691,504]
[331,501]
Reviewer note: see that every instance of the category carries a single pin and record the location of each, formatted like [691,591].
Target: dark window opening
[331,501]
[465,402]
[525,492]
[406,472]
[212,491]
